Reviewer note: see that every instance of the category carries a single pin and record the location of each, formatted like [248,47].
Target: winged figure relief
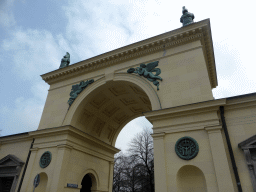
[147,72]
[77,89]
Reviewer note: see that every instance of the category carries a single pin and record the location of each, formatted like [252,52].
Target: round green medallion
[45,159]
[186,148]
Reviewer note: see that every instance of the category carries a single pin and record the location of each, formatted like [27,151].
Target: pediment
[10,160]
[248,143]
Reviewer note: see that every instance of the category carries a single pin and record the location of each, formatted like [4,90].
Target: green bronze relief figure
[77,89]
[65,61]
[147,72]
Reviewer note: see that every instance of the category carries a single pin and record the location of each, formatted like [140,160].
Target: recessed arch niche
[43,183]
[104,109]
[190,178]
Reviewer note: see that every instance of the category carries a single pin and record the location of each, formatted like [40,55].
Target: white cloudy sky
[35,35]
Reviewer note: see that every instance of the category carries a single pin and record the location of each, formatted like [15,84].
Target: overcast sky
[35,35]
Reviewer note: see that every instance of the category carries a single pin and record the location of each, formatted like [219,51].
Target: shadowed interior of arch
[86,183]
[106,110]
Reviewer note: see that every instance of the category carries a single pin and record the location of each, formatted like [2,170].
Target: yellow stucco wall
[73,156]
[203,160]
[17,145]
[185,77]
[201,122]
[240,114]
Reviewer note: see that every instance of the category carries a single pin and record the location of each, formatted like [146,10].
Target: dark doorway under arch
[86,184]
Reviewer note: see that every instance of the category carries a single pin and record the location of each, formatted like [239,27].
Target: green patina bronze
[186,18]
[147,72]
[186,148]
[45,159]
[77,89]
[65,61]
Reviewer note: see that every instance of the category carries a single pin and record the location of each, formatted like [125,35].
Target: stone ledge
[213,129]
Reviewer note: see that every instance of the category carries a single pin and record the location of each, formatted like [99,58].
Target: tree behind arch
[134,172]
[141,152]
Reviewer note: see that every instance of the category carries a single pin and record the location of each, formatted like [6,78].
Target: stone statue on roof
[65,61]
[186,18]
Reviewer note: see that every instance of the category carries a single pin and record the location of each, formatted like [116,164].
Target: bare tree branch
[134,172]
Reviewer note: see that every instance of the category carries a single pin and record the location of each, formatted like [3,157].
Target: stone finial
[186,18]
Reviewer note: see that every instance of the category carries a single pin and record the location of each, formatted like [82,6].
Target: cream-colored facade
[81,138]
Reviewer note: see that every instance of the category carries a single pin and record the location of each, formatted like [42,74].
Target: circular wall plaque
[45,159]
[186,148]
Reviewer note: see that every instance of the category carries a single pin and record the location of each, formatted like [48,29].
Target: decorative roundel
[45,159]
[186,148]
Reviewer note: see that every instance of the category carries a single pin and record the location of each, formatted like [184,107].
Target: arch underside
[105,111]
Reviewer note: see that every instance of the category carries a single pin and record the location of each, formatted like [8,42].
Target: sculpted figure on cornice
[186,18]
[77,89]
[147,72]
[65,61]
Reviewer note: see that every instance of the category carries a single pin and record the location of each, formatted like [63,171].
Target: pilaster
[159,162]
[61,166]
[111,170]
[220,160]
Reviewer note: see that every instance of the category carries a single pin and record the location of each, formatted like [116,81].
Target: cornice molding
[197,31]
[70,130]
[34,149]
[185,110]
[158,135]
[213,129]
[64,146]
[241,101]
[15,138]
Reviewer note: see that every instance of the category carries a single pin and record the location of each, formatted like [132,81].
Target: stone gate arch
[82,136]
[142,83]
[130,89]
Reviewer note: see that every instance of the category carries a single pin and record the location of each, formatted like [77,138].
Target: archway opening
[129,131]
[106,110]
[89,183]
[86,184]
[101,112]
[191,178]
